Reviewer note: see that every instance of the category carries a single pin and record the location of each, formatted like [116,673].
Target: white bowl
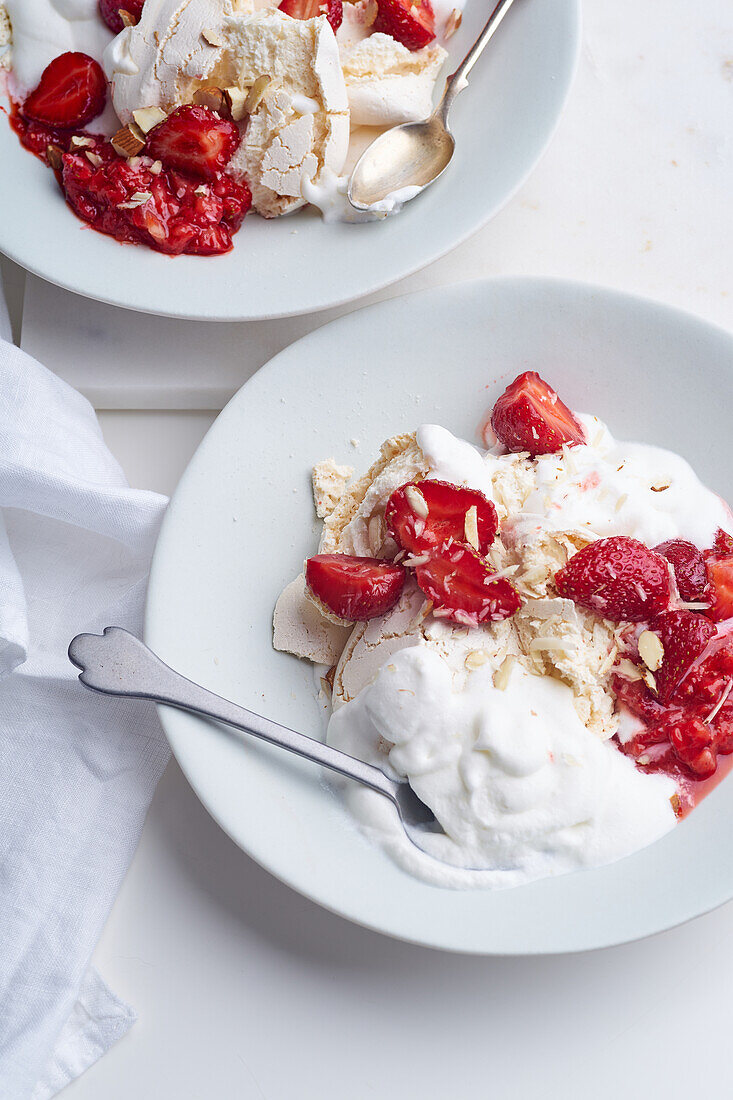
[242,521]
[299,264]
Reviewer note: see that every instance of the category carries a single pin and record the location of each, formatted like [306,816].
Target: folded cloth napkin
[77,770]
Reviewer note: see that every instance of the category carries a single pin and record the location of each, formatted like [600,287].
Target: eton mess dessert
[539,637]
[165,121]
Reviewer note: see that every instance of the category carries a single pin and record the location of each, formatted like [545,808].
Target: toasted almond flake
[375,534]
[651,650]
[212,37]
[236,99]
[503,673]
[257,93]
[649,680]
[417,502]
[149,117]
[644,759]
[202,189]
[476,658]
[675,803]
[452,24]
[628,670]
[470,527]
[156,167]
[419,559]
[78,142]
[658,488]
[55,157]
[723,696]
[93,158]
[371,11]
[138,198]
[621,501]
[128,141]
[128,19]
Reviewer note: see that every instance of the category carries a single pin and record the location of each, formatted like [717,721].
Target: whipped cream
[329,194]
[504,730]
[386,83]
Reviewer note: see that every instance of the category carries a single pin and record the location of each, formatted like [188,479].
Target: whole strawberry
[618,578]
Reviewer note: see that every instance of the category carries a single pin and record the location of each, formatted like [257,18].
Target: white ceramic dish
[242,521]
[300,264]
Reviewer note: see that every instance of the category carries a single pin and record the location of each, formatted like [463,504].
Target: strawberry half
[195,140]
[71,92]
[354,589]
[442,511]
[618,578]
[684,636]
[529,416]
[463,588]
[723,542]
[310,9]
[110,12]
[689,568]
[720,577]
[411,22]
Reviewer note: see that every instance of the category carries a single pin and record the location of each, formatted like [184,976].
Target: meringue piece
[388,84]
[329,483]
[300,629]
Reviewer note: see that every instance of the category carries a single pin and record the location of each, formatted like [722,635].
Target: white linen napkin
[77,770]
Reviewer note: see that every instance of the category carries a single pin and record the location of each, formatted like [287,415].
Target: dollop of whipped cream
[504,730]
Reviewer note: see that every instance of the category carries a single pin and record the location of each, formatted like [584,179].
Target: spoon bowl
[406,159]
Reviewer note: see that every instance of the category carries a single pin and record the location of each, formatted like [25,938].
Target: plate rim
[15,252]
[169,717]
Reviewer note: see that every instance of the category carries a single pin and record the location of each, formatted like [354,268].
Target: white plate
[242,521]
[502,123]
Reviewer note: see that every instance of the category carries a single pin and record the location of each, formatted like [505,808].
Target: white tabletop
[246,990]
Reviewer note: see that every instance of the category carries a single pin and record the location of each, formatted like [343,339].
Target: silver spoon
[413,155]
[117,663]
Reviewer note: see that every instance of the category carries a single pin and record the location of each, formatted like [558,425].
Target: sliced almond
[649,680]
[658,488]
[628,670]
[149,117]
[257,93]
[212,37]
[202,189]
[128,19]
[452,24]
[213,98]
[676,804]
[503,673]
[138,198]
[78,142]
[94,159]
[476,658]
[651,650]
[236,99]
[55,157]
[129,141]
[470,526]
[417,502]
[156,167]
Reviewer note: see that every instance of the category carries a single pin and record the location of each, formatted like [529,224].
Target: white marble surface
[245,989]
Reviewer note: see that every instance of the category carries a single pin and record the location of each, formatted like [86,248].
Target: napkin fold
[77,770]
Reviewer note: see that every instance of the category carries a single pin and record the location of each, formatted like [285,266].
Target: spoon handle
[458,81]
[117,663]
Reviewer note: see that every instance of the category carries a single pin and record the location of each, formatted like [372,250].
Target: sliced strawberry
[463,588]
[411,22]
[637,697]
[447,507]
[110,12]
[720,576]
[71,92]
[179,215]
[692,742]
[354,589]
[689,568]
[723,542]
[194,139]
[618,578]
[684,636]
[310,9]
[529,416]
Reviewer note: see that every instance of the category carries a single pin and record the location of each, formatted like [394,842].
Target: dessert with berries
[166,121]
[539,636]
